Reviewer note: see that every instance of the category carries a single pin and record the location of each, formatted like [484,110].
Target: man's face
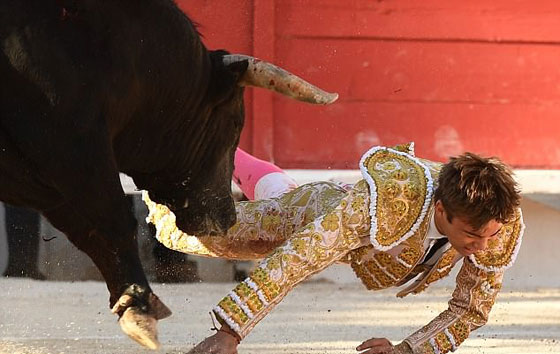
[461,235]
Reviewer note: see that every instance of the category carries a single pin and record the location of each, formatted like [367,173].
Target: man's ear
[440,209]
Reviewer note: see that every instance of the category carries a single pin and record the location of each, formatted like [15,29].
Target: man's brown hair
[477,190]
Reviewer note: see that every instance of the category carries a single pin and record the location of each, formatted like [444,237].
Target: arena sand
[318,317]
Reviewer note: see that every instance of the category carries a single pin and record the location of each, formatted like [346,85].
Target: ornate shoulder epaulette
[406,148]
[401,189]
[502,251]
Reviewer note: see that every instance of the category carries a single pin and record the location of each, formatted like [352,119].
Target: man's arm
[474,295]
[477,285]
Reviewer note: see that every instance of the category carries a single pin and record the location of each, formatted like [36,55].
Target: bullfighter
[408,222]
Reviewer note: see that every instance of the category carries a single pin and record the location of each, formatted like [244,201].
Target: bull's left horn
[266,75]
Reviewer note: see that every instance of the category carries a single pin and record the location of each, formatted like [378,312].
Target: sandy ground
[54,317]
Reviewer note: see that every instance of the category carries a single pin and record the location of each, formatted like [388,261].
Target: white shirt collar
[433,233]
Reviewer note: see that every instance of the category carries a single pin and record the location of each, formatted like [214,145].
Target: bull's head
[202,199]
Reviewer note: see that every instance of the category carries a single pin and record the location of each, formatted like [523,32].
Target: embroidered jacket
[378,227]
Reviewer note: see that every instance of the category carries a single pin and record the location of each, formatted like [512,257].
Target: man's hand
[224,341]
[376,346]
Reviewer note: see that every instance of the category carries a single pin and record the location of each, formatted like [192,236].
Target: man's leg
[261,225]
[259,179]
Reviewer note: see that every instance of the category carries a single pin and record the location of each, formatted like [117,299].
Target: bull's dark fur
[92,87]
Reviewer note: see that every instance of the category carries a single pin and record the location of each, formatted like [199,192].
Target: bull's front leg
[71,149]
[63,137]
[113,249]
[98,219]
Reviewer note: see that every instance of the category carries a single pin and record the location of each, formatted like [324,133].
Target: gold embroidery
[358,204]
[410,255]
[249,297]
[410,192]
[261,225]
[407,147]
[400,188]
[357,262]
[399,208]
[379,274]
[397,270]
[330,222]
[467,311]
[311,249]
[336,236]
[233,310]
[444,345]
[394,268]
[460,331]
[442,269]
[263,281]
[428,349]
[387,270]
[299,246]
[502,251]
[399,175]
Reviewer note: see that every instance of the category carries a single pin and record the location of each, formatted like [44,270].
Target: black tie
[440,242]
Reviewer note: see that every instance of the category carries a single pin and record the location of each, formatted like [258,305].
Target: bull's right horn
[266,75]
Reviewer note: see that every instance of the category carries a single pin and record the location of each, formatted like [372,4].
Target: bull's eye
[168,202]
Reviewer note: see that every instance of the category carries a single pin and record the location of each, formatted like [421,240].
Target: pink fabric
[248,170]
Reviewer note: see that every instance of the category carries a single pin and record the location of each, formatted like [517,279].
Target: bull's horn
[266,75]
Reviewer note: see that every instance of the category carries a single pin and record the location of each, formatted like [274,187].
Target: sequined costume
[379,227]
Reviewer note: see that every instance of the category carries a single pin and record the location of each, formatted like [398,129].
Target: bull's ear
[225,78]
[238,69]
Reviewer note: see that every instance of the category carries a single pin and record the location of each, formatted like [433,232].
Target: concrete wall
[60,260]
[3,242]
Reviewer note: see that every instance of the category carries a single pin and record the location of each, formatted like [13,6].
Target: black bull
[91,88]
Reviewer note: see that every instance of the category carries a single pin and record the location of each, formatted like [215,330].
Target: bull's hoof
[138,324]
[141,327]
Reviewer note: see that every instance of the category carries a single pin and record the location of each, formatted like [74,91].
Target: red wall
[481,76]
